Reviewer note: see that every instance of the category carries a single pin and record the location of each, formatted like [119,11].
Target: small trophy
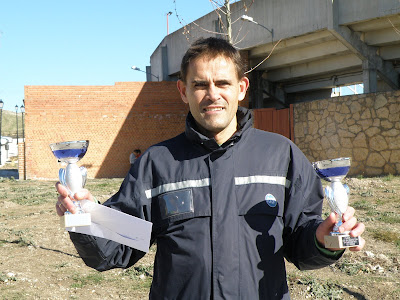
[72,177]
[334,170]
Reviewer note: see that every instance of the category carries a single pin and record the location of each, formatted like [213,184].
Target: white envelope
[117,226]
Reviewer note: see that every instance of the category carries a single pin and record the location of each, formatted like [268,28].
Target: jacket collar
[244,120]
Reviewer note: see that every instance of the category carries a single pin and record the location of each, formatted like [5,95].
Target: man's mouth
[213,109]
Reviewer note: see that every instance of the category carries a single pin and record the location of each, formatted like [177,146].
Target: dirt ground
[38,261]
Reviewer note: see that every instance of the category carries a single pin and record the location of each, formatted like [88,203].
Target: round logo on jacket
[271,201]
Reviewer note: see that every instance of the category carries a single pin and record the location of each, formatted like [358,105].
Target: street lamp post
[16,118]
[251,20]
[23,123]
[1,117]
[138,69]
[168,14]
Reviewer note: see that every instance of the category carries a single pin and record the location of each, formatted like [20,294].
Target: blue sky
[85,42]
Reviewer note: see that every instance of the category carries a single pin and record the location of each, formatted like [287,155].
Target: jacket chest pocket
[261,207]
[176,204]
[260,204]
[179,205]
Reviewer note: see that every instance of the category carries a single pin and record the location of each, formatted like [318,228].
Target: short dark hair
[211,47]
[137,151]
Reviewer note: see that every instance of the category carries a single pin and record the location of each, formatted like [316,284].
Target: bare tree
[222,8]
[394,27]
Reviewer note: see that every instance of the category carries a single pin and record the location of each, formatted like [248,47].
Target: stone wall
[364,127]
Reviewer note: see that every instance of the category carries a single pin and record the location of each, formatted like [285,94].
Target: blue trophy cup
[72,177]
[333,171]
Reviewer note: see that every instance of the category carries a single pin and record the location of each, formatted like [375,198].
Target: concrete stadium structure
[315,45]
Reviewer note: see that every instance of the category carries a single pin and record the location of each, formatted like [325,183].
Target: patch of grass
[389,217]
[137,271]
[6,278]
[321,290]
[363,204]
[387,236]
[62,265]
[388,177]
[81,281]
[351,268]
[21,238]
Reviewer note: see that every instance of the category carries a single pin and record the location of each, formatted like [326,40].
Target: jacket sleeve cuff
[326,252]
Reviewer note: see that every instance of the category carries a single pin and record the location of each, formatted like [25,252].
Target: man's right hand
[64,201]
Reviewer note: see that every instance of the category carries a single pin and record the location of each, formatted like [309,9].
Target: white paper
[116,226]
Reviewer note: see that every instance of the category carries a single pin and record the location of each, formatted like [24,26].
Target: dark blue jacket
[224,217]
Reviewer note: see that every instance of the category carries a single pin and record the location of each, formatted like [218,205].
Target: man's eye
[200,85]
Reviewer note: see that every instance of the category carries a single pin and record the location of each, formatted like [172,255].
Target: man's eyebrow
[195,81]
[223,81]
[219,81]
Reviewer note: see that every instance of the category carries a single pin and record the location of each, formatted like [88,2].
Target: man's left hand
[349,224]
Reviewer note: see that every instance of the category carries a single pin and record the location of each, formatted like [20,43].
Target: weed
[81,281]
[351,268]
[325,290]
[62,265]
[397,243]
[368,193]
[362,204]
[139,270]
[390,218]
[389,177]
[386,236]
[7,277]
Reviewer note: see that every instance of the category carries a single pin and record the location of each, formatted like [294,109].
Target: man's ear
[243,86]
[182,90]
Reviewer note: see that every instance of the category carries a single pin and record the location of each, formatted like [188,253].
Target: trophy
[72,177]
[334,170]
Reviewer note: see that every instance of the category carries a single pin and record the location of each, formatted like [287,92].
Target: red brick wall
[115,119]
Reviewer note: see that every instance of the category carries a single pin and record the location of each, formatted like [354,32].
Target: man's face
[213,91]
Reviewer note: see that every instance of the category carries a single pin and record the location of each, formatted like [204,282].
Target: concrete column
[164,59]
[370,79]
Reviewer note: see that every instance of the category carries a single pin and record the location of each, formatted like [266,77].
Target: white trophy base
[340,240]
[75,220]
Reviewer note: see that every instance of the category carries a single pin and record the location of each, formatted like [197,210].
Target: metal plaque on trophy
[333,171]
[72,177]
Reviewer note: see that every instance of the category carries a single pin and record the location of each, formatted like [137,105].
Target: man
[135,155]
[228,202]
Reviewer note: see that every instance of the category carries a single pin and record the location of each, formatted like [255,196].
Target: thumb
[83,194]
[62,190]
[325,227]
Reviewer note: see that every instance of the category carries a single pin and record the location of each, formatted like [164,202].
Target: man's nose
[213,92]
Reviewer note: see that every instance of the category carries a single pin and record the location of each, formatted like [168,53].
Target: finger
[60,208]
[62,190]
[325,227]
[67,204]
[359,247]
[348,225]
[83,194]
[348,214]
[357,230]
